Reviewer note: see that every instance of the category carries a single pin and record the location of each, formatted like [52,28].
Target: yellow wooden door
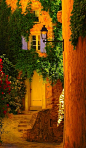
[37,91]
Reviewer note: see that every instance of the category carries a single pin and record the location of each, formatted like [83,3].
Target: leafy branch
[78,21]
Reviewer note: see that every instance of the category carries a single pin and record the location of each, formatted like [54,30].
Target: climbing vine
[53,6]
[13,25]
[55,56]
[28,60]
[52,65]
[78,21]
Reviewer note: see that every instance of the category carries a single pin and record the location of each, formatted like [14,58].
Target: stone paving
[12,139]
[31,145]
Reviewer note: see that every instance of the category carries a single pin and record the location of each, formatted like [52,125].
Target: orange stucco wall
[51,94]
[44,19]
[74,84]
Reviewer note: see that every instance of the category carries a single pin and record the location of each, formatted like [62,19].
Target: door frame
[43,100]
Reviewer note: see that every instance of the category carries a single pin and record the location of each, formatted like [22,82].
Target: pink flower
[1,81]
[4,112]
[7,105]
[4,86]
[9,89]
[8,86]
[0,60]
[1,66]
[7,82]
[3,73]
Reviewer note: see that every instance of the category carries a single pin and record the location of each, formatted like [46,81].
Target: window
[36,42]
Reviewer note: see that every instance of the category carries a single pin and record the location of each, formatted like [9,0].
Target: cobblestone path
[26,144]
[12,139]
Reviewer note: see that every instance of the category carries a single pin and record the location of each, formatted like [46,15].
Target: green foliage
[56,70]
[17,93]
[53,6]
[5,88]
[8,67]
[28,61]
[4,15]
[78,21]
[52,65]
[12,27]
[18,89]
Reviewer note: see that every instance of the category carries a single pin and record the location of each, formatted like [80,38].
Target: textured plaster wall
[74,84]
[44,18]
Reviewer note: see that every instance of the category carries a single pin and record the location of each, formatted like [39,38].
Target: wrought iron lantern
[44,32]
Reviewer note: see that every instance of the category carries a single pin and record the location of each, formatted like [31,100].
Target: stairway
[18,125]
[26,122]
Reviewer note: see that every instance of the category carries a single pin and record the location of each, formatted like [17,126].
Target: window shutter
[42,44]
[24,43]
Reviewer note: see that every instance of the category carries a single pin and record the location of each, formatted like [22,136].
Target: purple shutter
[42,44]
[24,43]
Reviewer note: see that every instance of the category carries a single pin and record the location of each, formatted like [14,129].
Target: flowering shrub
[18,88]
[16,95]
[5,88]
[10,91]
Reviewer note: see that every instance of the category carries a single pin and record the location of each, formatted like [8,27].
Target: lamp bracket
[56,41]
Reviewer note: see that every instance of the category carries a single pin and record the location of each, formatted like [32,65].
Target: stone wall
[44,129]
[48,95]
[52,94]
[52,99]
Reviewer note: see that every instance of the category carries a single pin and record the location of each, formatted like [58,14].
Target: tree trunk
[74,84]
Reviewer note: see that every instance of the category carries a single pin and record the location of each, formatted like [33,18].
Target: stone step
[22,125]
[22,129]
[22,117]
[25,122]
[19,124]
